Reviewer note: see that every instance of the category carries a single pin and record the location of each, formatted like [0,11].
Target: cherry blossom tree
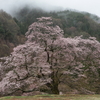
[47,58]
[65,55]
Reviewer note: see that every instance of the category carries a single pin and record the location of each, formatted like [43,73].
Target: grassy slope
[54,97]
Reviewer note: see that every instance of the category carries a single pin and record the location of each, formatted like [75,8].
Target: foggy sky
[91,6]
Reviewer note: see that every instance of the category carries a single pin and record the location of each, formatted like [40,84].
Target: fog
[13,5]
[91,6]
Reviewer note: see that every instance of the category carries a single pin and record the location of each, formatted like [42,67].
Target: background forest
[13,28]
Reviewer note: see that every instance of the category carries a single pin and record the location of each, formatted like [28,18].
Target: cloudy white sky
[91,6]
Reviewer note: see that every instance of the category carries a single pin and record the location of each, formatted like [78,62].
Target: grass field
[53,97]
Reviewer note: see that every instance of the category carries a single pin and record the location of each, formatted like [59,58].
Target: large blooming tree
[47,58]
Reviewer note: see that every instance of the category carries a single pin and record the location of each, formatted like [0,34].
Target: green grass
[53,97]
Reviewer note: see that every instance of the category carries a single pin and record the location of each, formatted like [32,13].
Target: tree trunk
[54,84]
[55,89]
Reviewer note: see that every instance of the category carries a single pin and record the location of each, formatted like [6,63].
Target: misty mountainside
[92,16]
[48,62]
[73,23]
[10,34]
[13,29]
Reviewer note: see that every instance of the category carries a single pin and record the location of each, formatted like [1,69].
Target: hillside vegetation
[73,23]
[12,30]
[10,34]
